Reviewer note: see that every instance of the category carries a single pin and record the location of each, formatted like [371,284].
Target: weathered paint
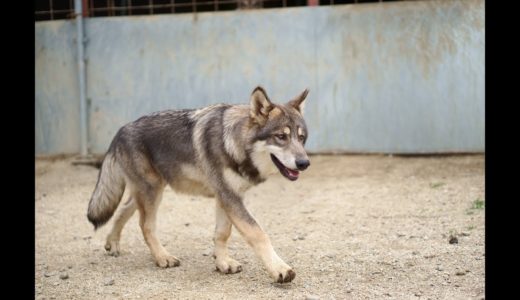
[402,77]
[56,89]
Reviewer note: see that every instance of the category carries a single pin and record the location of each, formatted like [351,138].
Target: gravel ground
[352,227]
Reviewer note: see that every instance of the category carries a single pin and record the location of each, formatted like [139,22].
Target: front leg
[255,237]
[224,262]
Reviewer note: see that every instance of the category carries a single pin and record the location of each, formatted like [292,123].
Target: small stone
[312,297]
[109,281]
[69,266]
[460,273]
[439,269]
[186,224]
[64,276]
[48,274]
[453,240]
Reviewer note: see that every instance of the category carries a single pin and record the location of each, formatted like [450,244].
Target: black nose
[302,164]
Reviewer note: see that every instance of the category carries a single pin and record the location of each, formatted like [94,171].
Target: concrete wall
[403,77]
[56,89]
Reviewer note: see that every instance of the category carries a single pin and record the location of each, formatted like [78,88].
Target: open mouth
[288,173]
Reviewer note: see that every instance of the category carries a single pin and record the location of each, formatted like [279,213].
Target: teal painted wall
[402,77]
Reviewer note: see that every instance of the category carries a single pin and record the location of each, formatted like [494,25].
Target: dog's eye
[301,138]
[282,137]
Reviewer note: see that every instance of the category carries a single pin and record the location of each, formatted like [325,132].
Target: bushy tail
[110,187]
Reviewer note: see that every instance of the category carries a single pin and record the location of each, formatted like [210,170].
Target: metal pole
[78,8]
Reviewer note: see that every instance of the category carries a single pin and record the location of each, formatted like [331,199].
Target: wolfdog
[220,151]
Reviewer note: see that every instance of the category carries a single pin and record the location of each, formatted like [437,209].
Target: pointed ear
[260,106]
[299,101]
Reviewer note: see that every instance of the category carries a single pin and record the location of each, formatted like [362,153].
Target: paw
[228,265]
[166,261]
[287,277]
[112,248]
[283,274]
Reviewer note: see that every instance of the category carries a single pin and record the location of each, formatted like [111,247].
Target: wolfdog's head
[280,133]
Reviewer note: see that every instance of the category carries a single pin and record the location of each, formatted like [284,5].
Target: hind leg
[112,242]
[147,204]
[225,264]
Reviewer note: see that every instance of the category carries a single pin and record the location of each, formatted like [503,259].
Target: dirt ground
[352,227]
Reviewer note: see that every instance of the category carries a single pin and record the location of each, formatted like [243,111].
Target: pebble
[312,297]
[453,240]
[64,276]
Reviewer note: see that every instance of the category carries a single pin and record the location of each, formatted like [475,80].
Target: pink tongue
[292,172]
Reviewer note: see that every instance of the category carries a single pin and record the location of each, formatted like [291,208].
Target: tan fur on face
[287,130]
[300,131]
[262,160]
[287,158]
[275,112]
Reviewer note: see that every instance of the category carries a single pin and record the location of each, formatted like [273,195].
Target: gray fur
[190,150]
